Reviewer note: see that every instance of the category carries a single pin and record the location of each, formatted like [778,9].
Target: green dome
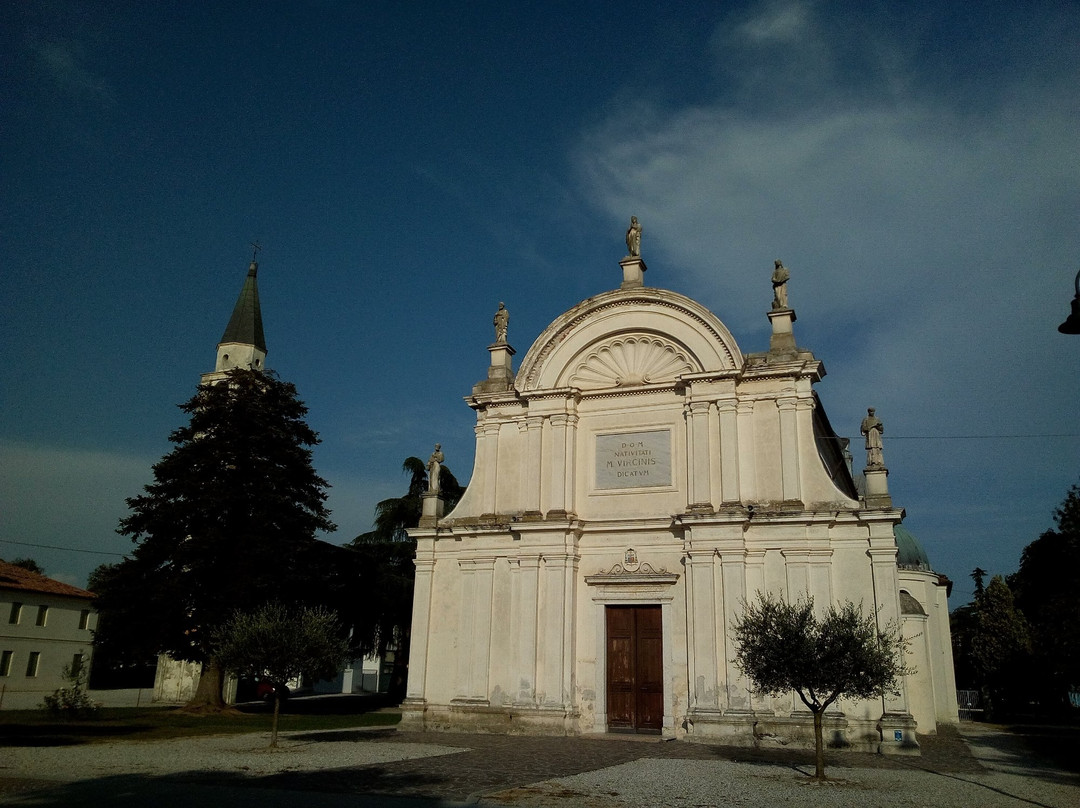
[909,553]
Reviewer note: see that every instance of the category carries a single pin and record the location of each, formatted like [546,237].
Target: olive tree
[782,647]
[281,644]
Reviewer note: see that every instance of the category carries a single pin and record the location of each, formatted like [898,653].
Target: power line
[976,437]
[54,547]
[888,438]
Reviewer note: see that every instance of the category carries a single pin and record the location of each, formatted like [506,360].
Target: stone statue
[780,277]
[871,429]
[434,469]
[501,321]
[633,238]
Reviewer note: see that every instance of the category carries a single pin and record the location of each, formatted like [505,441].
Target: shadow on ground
[197,788]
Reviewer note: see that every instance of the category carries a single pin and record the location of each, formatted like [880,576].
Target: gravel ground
[698,783]
[247,754]
[987,769]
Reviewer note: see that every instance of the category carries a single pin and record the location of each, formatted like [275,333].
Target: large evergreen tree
[1000,647]
[227,524]
[1046,587]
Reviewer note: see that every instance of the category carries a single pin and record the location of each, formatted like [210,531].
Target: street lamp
[1072,322]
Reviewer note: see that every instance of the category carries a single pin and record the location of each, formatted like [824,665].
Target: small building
[45,628]
[636,481]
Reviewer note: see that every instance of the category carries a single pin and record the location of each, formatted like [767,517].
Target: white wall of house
[40,635]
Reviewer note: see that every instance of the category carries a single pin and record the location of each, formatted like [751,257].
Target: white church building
[636,481]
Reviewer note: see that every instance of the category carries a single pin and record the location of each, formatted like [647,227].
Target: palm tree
[383,607]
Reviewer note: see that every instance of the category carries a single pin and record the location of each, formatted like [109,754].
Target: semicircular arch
[634,337]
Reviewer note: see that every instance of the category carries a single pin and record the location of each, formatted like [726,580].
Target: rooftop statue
[872,429]
[633,238]
[501,321]
[434,469]
[780,277]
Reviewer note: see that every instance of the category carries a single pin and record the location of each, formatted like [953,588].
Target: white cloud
[62,63]
[932,243]
[66,498]
[776,23]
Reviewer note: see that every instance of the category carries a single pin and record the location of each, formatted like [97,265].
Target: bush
[72,701]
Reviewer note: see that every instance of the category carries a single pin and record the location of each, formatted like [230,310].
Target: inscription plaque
[633,459]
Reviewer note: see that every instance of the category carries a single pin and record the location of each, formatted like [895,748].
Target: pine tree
[1045,587]
[227,524]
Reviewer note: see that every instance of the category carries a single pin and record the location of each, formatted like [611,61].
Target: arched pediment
[628,338]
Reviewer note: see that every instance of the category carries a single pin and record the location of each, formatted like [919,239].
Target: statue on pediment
[780,276]
[434,469]
[501,323]
[633,238]
[872,430]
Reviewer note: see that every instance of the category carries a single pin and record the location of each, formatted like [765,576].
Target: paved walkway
[985,768]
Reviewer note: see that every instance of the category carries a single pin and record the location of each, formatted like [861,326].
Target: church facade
[636,481]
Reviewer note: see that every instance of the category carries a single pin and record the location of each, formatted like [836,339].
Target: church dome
[909,553]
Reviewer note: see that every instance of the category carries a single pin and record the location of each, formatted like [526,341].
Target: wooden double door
[635,668]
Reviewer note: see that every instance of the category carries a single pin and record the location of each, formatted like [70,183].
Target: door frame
[611,593]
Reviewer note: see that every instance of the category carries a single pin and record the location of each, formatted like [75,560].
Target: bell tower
[243,344]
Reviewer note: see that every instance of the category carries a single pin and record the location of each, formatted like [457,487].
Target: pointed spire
[245,326]
[243,344]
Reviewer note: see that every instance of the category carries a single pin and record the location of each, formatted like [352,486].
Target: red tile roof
[22,580]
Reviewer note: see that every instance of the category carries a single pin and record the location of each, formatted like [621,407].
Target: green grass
[37,728]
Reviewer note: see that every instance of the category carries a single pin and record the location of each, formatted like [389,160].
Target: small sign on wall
[634,459]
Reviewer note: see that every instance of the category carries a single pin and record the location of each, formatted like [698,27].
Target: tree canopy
[281,644]
[1046,587]
[1018,641]
[784,647]
[228,522]
[28,564]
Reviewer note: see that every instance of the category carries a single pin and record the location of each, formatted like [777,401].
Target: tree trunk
[819,746]
[207,698]
[277,708]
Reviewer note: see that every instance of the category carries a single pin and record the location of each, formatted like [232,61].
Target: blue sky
[408,166]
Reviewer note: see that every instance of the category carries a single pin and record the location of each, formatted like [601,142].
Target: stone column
[557,469]
[570,459]
[820,574]
[755,582]
[789,449]
[797,574]
[532,477]
[734,574]
[553,653]
[523,624]
[882,554]
[474,629]
[421,620]
[466,618]
[697,420]
[703,628]
[748,490]
[490,464]
[729,450]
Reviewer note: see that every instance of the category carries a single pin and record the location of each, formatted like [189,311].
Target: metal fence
[969,703]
